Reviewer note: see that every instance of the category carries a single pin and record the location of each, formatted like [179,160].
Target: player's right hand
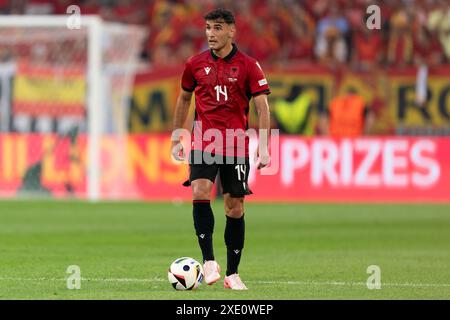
[178,151]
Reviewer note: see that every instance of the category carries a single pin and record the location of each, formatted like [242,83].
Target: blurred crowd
[281,32]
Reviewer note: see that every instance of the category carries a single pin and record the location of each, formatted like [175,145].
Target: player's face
[219,34]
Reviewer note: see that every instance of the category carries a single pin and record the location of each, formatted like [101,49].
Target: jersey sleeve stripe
[257,93]
[187,89]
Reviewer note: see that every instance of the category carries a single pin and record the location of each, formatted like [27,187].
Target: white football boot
[234,282]
[212,272]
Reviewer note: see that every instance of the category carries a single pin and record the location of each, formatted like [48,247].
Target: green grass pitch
[292,251]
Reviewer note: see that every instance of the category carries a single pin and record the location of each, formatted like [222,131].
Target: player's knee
[234,208]
[200,191]
[235,213]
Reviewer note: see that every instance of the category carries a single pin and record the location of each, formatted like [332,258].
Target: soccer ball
[185,274]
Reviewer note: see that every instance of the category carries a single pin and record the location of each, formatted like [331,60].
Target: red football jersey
[223,89]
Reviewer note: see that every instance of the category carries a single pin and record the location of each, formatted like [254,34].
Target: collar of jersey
[229,56]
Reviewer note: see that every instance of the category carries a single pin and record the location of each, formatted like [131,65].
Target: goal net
[64,100]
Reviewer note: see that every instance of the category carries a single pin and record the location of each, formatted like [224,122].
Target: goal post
[94,112]
[82,70]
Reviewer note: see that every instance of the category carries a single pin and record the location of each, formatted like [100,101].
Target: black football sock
[204,227]
[234,239]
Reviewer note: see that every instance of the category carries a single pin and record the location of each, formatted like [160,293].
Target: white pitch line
[341,283]
[300,283]
[84,279]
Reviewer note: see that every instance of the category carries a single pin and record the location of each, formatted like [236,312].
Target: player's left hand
[262,160]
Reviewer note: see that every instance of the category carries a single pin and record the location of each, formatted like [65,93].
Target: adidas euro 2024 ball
[185,274]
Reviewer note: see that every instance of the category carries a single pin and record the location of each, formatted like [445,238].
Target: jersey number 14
[221,91]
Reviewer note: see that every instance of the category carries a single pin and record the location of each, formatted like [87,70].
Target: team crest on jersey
[234,71]
[232,76]
[207,69]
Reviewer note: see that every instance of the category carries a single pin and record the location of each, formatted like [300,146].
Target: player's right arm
[188,84]
[179,118]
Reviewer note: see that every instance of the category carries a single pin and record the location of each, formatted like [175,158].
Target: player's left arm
[263,111]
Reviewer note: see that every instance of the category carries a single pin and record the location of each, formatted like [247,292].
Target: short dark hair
[220,14]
